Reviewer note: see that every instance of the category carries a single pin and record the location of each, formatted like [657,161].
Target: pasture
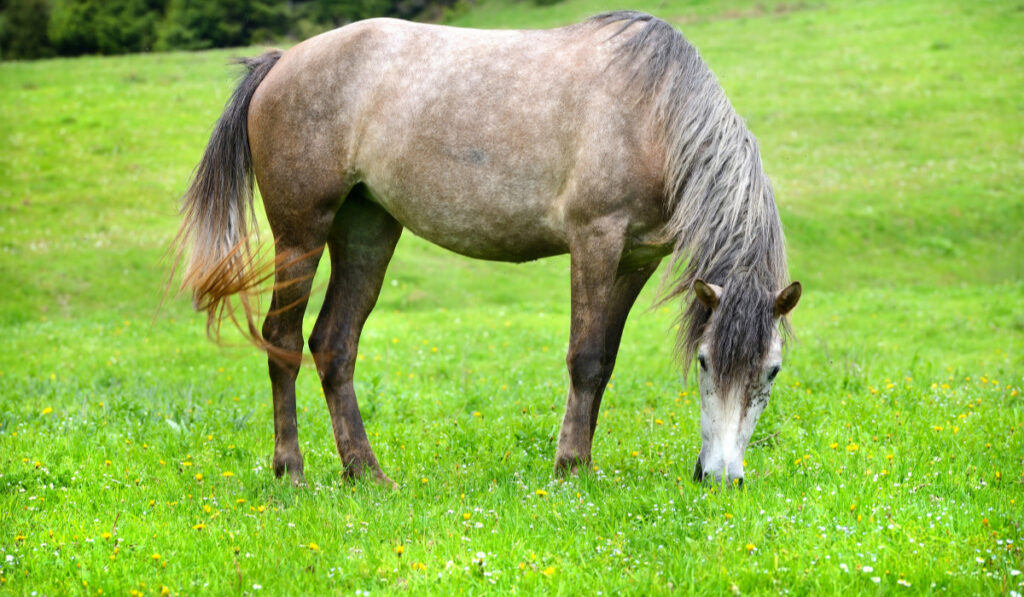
[135,454]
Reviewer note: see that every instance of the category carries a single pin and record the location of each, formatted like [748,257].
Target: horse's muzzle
[701,475]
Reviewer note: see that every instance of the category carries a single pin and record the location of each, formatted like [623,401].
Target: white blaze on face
[727,420]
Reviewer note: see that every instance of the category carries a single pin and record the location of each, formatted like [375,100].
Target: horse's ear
[787,298]
[707,294]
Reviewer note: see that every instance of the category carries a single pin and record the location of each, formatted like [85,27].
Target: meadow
[135,453]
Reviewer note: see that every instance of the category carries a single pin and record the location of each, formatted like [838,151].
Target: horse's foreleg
[595,251]
[627,288]
[362,241]
[283,330]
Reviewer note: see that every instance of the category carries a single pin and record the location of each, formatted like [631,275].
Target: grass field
[135,454]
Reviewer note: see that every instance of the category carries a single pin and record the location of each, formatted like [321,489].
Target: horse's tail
[218,217]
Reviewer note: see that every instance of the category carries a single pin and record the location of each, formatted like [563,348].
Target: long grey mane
[722,218]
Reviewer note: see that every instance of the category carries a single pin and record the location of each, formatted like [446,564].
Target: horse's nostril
[738,482]
[698,471]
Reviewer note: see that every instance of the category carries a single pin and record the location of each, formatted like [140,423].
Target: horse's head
[739,356]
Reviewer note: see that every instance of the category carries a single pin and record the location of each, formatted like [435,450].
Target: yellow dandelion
[476,413]
[240,501]
[155,557]
[199,527]
[750,547]
[47,410]
[466,516]
[936,427]
[852,448]
[659,422]
[313,546]
[423,480]
[634,453]
[548,571]
[199,476]
[227,474]
[19,537]
[106,536]
[399,549]
[541,493]
[165,591]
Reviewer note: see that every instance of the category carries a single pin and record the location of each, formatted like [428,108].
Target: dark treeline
[42,28]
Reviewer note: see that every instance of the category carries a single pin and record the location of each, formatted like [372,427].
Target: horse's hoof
[384,481]
[360,467]
[293,466]
[570,466]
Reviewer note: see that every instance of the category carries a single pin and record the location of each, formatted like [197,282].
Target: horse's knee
[319,340]
[280,335]
[586,367]
[334,360]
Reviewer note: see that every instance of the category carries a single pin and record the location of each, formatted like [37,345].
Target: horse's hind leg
[361,244]
[298,248]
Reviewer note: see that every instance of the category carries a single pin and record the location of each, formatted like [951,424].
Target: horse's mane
[722,219]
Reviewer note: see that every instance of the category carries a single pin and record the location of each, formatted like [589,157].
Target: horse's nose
[731,478]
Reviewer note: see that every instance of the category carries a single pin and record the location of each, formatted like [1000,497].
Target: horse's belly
[495,228]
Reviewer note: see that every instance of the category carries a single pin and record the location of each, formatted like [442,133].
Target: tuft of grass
[135,455]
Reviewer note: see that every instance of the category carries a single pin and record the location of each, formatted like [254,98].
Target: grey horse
[609,140]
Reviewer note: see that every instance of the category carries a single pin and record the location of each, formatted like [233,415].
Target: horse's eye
[703,363]
[771,374]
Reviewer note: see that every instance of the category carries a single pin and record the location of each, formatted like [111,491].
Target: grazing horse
[609,140]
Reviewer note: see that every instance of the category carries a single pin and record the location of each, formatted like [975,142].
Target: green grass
[893,448]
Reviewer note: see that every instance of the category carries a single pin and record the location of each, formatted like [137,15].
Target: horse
[609,140]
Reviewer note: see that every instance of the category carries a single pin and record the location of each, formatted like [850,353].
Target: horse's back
[456,132]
